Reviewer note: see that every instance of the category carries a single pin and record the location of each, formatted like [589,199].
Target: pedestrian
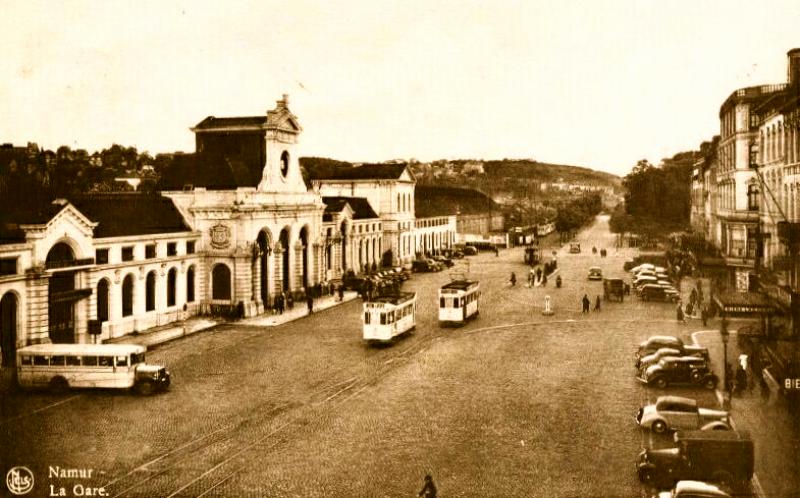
[428,488]
[531,277]
[280,303]
[679,313]
[544,280]
[597,304]
[741,379]
[289,301]
[513,279]
[586,304]
[310,303]
[690,309]
[704,315]
[496,252]
[341,292]
[538,274]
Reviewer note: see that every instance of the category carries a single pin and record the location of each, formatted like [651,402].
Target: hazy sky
[594,83]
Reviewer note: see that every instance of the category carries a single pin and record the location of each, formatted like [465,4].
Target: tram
[458,302]
[388,316]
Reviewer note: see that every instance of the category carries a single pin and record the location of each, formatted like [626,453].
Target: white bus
[388,316]
[61,366]
[458,301]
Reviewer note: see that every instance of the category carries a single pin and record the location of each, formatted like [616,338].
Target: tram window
[57,361]
[462,302]
[74,361]
[41,360]
[455,302]
[106,361]
[122,361]
[89,361]
[26,360]
[383,318]
[366,317]
[441,302]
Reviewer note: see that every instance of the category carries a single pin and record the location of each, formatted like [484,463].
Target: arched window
[221,282]
[285,163]
[171,277]
[190,285]
[752,197]
[102,301]
[127,295]
[150,292]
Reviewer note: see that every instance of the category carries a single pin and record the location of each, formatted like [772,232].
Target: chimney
[794,67]
[284,102]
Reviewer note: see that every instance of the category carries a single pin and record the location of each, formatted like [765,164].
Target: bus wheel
[59,385]
[144,388]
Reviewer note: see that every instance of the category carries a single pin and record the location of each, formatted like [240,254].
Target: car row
[652,283]
[706,448]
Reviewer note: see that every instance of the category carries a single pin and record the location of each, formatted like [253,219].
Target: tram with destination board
[388,316]
[458,301]
[61,366]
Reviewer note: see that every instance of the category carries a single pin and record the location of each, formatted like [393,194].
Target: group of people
[694,305]
[586,308]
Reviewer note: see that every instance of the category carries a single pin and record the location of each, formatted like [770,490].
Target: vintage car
[655,292]
[595,273]
[470,250]
[656,342]
[574,248]
[682,370]
[444,261]
[425,265]
[653,358]
[670,413]
[723,457]
[694,489]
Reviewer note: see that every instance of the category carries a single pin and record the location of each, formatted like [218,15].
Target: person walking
[310,303]
[704,315]
[428,488]
[280,303]
[341,292]
[741,379]
[597,304]
[586,304]
[513,279]
[679,313]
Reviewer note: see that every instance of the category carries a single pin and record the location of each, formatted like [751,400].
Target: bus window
[122,361]
[57,361]
[26,360]
[41,360]
[90,361]
[73,361]
[137,358]
[106,361]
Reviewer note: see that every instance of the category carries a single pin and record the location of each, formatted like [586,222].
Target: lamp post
[725,335]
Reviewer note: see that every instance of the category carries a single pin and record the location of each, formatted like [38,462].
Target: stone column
[297,267]
[277,279]
[36,283]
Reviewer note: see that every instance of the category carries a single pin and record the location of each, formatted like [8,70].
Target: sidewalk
[775,433]
[298,311]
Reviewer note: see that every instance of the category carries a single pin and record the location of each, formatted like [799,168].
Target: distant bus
[386,317]
[458,302]
[61,366]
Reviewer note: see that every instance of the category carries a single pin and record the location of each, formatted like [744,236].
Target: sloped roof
[233,122]
[432,201]
[364,172]
[127,214]
[32,213]
[222,174]
[362,210]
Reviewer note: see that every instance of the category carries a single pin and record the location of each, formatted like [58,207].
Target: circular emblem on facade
[19,480]
[220,237]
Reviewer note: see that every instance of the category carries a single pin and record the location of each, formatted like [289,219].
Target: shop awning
[733,302]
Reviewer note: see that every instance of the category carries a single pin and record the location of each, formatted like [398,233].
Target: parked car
[425,265]
[470,250]
[694,489]
[443,260]
[682,370]
[656,342]
[722,457]
[595,273]
[643,266]
[653,358]
[670,413]
[574,248]
[653,292]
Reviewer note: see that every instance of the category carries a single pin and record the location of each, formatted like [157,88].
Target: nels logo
[19,480]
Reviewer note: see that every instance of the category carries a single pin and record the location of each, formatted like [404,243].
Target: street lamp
[725,335]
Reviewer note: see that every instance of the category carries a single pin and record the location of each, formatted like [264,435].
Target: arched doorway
[102,300]
[60,294]
[264,247]
[285,267]
[8,329]
[172,278]
[190,285]
[304,256]
[150,292]
[221,282]
[343,229]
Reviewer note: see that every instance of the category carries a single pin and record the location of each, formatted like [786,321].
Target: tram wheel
[59,385]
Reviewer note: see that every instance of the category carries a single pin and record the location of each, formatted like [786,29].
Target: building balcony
[71,263]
